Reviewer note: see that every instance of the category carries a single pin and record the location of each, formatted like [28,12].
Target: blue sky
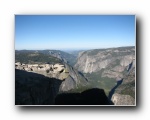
[38,32]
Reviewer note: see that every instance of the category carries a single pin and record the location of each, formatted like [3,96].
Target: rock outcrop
[38,84]
[35,89]
[119,99]
[71,77]
[52,64]
[57,71]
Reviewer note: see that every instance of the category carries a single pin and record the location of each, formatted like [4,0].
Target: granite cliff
[40,77]
[35,89]
[105,67]
[100,76]
[124,94]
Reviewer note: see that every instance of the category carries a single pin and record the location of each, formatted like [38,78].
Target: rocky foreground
[35,89]
[57,71]
[39,84]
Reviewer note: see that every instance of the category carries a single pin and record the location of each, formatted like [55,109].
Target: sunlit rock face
[111,64]
[95,60]
[119,99]
[53,71]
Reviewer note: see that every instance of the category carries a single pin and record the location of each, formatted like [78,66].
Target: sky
[39,32]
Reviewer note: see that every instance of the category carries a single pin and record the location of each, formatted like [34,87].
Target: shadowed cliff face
[35,89]
[114,88]
[93,96]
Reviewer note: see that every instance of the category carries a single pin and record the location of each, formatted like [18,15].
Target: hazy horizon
[77,32]
[75,49]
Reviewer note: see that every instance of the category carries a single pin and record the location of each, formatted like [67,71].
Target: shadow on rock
[114,88]
[93,96]
[35,89]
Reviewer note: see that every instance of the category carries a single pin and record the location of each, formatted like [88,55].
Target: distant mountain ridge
[68,58]
[25,56]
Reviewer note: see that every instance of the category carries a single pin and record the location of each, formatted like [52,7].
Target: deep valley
[83,77]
